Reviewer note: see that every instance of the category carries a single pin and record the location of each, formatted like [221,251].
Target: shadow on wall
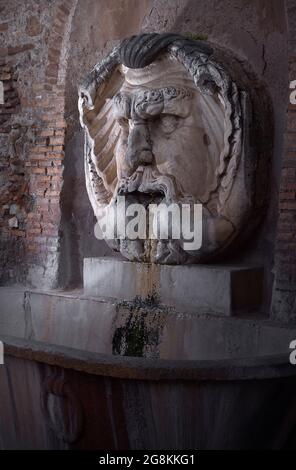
[78,221]
[95,29]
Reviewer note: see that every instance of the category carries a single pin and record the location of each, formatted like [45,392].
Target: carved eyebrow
[169,100]
[178,103]
[174,101]
[165,93]
[171,92]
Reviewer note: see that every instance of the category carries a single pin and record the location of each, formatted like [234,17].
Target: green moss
[141,326]
[196,37]
[131,339]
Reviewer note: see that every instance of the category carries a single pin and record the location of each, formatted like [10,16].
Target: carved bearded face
[165,125]
[155,136]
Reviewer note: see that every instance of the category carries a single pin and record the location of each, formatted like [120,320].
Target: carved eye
[169,123]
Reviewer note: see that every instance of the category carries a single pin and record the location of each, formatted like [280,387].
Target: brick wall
[284,298]
[13,183]
[33,67]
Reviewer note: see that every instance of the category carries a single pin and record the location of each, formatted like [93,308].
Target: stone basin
[104,325]
[196,381]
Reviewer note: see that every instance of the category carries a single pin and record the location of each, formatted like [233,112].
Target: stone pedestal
[222,290]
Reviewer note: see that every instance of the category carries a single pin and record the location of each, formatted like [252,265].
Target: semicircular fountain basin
[90,373]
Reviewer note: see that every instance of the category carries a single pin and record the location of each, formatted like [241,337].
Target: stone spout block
[203,289]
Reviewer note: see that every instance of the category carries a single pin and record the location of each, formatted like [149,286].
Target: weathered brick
[5,76]
[287,195]
[33,215]
[290,186]
[41,149]
[289,162]
[3,27]
[52,70]
[37,156]
[34,231]
[56,156]
[47,133]
[38,171]
[18,233]
[51,193]
[45,163]
[57,141]
[54,170]
[31,247]
[18,49]
[288,236]
[291,124]
[45,179]
[290,172]
[59,132]
[57,178]
[40,239]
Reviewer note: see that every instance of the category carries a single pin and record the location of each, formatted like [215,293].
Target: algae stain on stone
[130,341]
[139,326]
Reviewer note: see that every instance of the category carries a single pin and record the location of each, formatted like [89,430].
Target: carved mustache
[148,180]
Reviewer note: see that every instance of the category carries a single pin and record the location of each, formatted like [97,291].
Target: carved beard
[148,186]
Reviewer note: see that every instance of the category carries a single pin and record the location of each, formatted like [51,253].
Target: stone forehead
[158,98]
[165,70]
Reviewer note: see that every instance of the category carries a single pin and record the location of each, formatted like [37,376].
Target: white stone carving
[164,122]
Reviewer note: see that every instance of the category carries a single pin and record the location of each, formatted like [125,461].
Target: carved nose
[139,147]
